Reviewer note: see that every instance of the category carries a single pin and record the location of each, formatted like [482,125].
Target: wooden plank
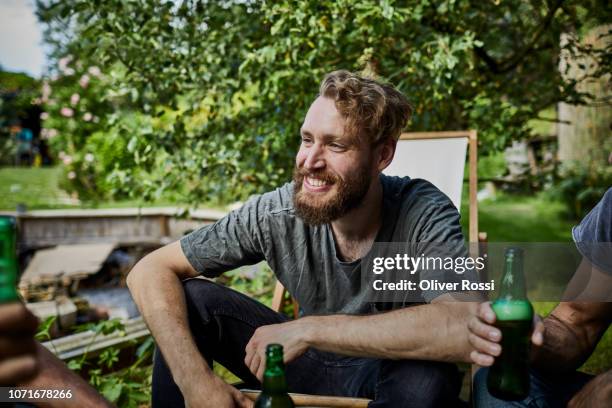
[435,135]
[206,214]
[473,187]
[314,401]
[66,261]
[90,343]
[277,298]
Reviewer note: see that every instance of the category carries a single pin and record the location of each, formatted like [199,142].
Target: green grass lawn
[35,187]
[39,189]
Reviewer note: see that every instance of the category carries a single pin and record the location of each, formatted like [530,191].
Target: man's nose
[314,157]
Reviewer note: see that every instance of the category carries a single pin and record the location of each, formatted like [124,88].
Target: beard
[315,210]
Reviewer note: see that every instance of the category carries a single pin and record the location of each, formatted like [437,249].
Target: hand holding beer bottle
[18,359]
[274,393]
[500,333]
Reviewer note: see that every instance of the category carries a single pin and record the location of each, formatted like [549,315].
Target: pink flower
[68,71]
[67,160]
[74,99]
[84,81]
[94,71]
[67,112]
[44,116]
[89,157]
[46,92]
[61,155]
[63,62]
[87,117]
[72,175]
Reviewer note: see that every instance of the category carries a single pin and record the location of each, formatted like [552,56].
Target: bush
[582,186]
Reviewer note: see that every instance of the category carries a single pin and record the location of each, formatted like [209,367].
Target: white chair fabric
[440,161]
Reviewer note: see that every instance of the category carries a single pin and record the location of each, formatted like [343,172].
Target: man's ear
[387,151]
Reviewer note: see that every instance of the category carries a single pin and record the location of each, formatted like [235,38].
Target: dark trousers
[545,390]
[222,322]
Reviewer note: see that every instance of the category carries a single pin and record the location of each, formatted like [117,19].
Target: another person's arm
[563,342]
[54,374]
[597,393]
[26,363]
[17,345]
[155,284]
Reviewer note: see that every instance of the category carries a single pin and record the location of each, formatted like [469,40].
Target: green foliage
[44,329]
[208,97]
[128,387]
[581,187]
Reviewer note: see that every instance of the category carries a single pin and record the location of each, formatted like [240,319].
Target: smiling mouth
[316,184]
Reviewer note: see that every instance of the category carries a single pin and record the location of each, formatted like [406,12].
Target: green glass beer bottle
[274,392]
[8,260]
[508,377]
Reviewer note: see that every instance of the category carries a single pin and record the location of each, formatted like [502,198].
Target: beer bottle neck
[274,381]
[513,286]
[8,260]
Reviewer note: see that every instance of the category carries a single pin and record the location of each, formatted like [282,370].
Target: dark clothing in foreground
[545,391]
[223,321]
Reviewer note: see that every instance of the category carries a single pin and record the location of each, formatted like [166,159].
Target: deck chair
[440,158]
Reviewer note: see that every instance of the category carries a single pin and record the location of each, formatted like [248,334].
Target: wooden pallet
[90,343]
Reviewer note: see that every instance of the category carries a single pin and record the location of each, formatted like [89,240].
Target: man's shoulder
[277,201]
[414,193]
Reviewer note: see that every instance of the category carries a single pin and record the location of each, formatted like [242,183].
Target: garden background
[198,104]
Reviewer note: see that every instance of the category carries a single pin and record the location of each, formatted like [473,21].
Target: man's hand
[597,393]
[291,335]
[18,360]
[485,337]
[215,393]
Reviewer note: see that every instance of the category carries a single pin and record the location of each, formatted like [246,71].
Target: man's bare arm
[155,284]
[436,331]
[573,330]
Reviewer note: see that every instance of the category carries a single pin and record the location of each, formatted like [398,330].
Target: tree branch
[510,63]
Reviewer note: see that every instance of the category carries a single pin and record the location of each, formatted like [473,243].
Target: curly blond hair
[373,110]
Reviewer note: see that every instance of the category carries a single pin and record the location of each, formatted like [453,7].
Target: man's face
[333,171]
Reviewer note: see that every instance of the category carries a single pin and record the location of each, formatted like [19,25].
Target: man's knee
[203,291]
[415,383]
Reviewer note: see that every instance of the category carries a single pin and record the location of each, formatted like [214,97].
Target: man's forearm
[161,300]
[572,331]
[436,331]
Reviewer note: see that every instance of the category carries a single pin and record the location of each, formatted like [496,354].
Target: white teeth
[316,182]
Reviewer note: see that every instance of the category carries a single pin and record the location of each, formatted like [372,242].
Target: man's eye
[306,140]
[336,146]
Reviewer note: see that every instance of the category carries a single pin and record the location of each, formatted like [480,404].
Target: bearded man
[313,232]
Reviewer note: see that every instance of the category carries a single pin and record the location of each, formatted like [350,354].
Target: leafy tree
[215,91]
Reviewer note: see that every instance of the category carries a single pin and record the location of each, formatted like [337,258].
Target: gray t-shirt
[304,257]
[593,236]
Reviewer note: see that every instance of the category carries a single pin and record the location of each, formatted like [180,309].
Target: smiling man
[313,232]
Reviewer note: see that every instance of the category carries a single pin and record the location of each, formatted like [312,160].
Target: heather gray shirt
[304,257]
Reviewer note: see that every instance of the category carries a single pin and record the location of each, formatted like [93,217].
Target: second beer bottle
[509,375]
[274,393]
